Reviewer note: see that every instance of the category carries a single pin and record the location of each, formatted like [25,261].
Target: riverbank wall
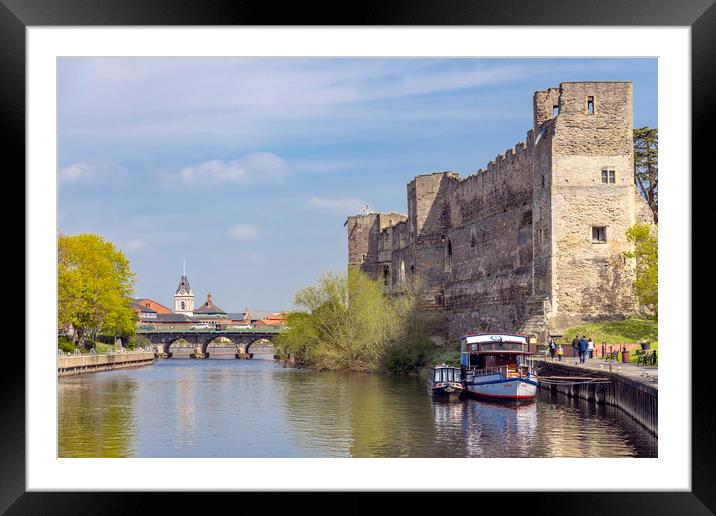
[634,395]
[79,364]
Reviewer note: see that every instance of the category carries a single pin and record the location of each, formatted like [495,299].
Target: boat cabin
[485,351]
[447,374]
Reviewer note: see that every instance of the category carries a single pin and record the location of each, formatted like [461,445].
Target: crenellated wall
[510,247]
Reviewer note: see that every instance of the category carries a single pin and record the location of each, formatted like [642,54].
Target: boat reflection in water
[554,426]
[478,425]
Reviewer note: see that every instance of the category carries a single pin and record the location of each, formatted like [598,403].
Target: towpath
[648,375]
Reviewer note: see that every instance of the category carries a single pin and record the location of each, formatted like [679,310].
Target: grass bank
[627,331]
[617,332]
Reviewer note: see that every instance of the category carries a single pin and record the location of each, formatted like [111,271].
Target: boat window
[450,377]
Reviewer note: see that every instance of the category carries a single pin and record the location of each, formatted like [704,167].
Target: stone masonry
[533,242]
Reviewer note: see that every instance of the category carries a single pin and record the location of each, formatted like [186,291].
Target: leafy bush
[447,357]
[65,344]
[408,357]
[645,240]
[136,341]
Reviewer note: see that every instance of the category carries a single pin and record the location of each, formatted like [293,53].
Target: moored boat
[498,366]
[446,381]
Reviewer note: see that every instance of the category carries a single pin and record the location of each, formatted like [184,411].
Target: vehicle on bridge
[201,326]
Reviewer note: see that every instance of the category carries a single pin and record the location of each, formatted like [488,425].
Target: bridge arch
[164,345]
[206,342]
[260,345]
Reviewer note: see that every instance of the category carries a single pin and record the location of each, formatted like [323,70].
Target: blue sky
[247,168]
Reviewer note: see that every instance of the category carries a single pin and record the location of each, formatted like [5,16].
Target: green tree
[347,322]
[644,238]
[646,166]
[342,323]
[95,285]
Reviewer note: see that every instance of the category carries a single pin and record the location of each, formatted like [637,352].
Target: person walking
[552,347]
[582,348]
[590,347]
[560,352]
[575,348]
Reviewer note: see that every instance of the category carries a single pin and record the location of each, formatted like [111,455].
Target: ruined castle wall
[542,215]
[431,196]
[488,252]
[363,236]
[369,243]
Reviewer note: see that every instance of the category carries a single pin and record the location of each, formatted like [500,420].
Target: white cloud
[243,232]
[252,168]
[339,205]
[136,245]
[76,172]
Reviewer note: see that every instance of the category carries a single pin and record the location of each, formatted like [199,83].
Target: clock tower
[184,297]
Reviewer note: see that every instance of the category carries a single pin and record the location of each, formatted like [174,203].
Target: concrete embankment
[78,364]
[632,389]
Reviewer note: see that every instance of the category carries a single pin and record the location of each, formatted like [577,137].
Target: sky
[247,168]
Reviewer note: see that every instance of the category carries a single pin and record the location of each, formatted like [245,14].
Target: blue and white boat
[498,366]
[446,382]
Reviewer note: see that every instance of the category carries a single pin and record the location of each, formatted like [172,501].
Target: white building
[184,298]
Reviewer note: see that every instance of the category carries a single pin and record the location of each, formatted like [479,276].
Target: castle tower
[364,232]
[184,297]
[584,200]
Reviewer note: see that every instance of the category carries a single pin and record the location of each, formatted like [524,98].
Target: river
[256,408]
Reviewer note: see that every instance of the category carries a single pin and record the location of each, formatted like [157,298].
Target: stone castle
[534,242]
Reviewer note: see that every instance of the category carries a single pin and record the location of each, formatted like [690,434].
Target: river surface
[256,408]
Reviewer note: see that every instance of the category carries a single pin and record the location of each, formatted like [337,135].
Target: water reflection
[251,408]
[96,416]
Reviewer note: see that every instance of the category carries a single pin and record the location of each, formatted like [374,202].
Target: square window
[608,177]
[599,234]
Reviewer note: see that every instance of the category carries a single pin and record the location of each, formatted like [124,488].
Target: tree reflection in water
[97,421]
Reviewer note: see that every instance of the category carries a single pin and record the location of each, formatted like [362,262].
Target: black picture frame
[17,15]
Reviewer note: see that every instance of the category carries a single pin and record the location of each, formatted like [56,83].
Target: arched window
[183,305]
[448,256]
[386,275]
[402,272]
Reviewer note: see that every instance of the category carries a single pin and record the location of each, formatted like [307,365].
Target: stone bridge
[201,339]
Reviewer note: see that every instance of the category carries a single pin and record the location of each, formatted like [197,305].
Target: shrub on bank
[65,344]
[408,357]
[447,357]
[136,341]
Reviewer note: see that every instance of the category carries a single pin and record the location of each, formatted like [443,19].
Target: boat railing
[505,371]
[488,371]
